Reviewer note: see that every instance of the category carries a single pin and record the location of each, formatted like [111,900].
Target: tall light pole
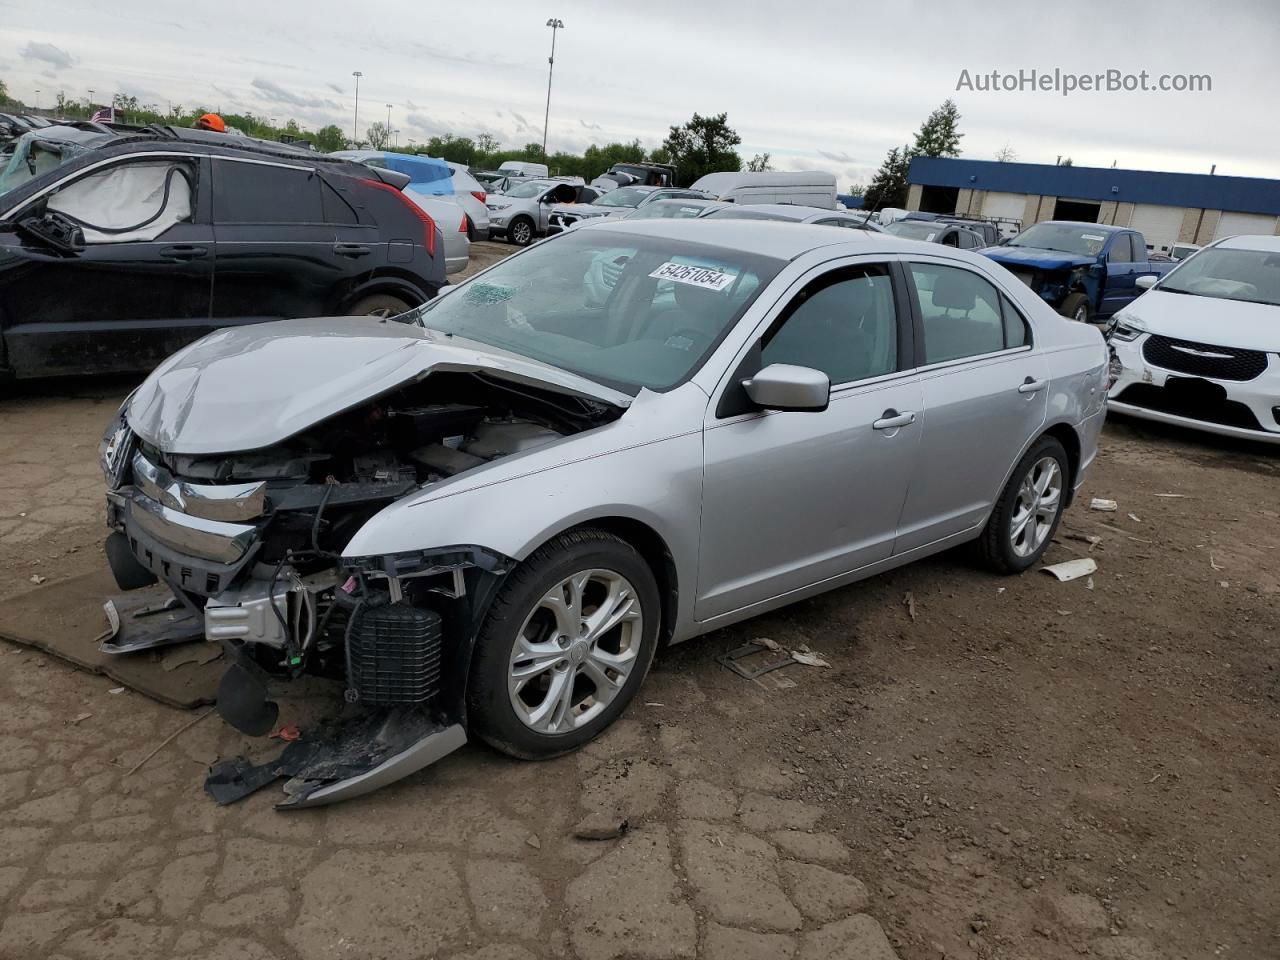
[555,25]
[355,122]
[397,135]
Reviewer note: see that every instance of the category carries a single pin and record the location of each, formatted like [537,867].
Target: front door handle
[352,250]
[1032,386]
[184,251]
[892,419]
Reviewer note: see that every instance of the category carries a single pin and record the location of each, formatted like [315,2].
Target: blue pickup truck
[1085,271]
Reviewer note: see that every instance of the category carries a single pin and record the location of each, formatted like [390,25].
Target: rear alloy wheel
[521,231]
[1029,509]
[565,647]
[379,305]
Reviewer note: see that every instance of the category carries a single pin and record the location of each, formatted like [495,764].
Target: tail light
[428,225]
[462,227]
[480,195]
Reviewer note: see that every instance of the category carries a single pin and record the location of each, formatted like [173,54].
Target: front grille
[1227,413]
[393,654]
[1218,363]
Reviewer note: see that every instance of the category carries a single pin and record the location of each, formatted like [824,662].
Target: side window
[129,201]
[951,238]
[1121,250]
[260,193]
[844,324]
[1016,331]
[960,310]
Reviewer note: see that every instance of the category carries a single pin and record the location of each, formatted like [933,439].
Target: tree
[487,143]
[330,138]
[759,163]
[1006,154]
[534,151]
[857,189]
[703,145]
[456,149]
[939,135]
[596,160]
[1065,162]
[888,188]
[378,135]
[4,92]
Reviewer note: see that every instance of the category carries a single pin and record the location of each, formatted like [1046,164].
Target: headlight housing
[116,446]
[1127,329]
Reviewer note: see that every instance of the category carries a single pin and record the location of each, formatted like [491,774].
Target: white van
[520,168]
[812,188]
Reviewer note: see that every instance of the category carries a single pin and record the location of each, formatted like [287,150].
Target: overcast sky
[819,84]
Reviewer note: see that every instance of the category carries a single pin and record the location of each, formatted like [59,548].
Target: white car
[471,196]
[1201,348]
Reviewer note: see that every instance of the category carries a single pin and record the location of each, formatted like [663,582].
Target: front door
[1121,285]
[985,392]
[794,498]
[137,291]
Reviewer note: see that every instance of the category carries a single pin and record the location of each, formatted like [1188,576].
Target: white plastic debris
[1108,506]
[1070,570]
[116,691]
[1135,518]
[37,579]
[808,658]
[1171,496]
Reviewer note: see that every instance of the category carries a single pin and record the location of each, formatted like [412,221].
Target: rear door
[984,389]
[288,244]
[138,291]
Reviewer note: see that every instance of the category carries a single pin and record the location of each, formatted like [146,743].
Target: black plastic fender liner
[242,700]
[129,573]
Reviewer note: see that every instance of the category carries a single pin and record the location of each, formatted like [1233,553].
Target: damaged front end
[251,543]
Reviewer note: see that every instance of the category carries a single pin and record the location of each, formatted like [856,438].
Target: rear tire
[544,680]
[1025,518]
[379,305]
[1076,307]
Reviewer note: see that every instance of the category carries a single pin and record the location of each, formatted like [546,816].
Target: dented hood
[1036,258]
[244,388]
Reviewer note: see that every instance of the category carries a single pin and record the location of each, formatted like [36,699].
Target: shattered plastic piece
[1089,584]
[115,691]
[1135,518]
[1072,569]
[350,585]
[1215,564]
[1171,496]
[80,717]
[600,832]
[910,601]
[37,579]
[533,841]
[773,645]
[1108,506]
[808,658]
[288,733]
[731,658]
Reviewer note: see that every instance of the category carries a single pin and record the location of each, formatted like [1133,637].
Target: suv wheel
[521,231]
[1076,307]
[379,305]
[565,647]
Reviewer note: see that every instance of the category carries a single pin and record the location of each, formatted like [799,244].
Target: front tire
[565,646]
[1022,525]
[520,232]
[1076,307]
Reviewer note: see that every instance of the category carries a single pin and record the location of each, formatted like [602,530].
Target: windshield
[33,157]
[1249,275]
[669,209]
[623,310]
[745,213]
[622,197]
[914,229]
[1082,241]
[527,190]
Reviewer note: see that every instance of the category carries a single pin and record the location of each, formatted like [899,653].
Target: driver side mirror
[1146,281]
[784,386]
[54,230]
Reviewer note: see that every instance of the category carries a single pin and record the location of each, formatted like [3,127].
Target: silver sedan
[495,512]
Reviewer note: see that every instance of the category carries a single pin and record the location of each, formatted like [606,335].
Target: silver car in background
[488,516]
[523,213]
[619,204]
[793,213]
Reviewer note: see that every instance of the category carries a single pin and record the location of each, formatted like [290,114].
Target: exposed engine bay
[252,543]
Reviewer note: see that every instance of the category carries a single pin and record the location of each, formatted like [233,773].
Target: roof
[765,238]
[1093,227]
[1255,242]
[1243,194]
[720,182]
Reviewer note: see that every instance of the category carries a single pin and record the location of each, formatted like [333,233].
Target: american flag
[104,115]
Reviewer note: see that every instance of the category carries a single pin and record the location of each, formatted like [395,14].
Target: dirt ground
[990,768]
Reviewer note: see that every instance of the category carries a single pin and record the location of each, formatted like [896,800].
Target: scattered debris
[773,645]
[731,658]
[1171,496]
[288,734]
[1001,589]
[1108,506]
[1089,584]
[37,579]
[1215,564]
[1070,570]
[1141,540]
[592,831]
[197,653]
[169,739]
[533,841]
[80,718]
[1092,539]
[910,601]
[1135,518]
[808,658]
[653,703]
[116,691]
[1224,584]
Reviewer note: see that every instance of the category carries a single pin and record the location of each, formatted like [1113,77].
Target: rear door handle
[352,250]
[1032,386]
[892,419]
[184,251]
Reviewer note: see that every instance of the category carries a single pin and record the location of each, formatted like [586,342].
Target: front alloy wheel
[575,651]
[566,644]
[521,232]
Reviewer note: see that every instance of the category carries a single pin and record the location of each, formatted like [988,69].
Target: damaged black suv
[120,245]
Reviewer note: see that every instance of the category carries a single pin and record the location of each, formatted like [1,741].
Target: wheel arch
[393,284]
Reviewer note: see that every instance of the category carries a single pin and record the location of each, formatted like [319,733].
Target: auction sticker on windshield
[704,277]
